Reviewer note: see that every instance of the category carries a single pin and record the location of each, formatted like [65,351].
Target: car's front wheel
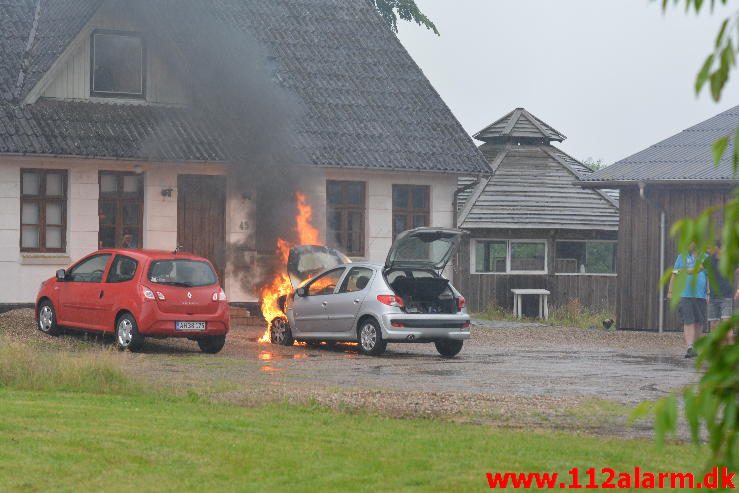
[370,338]
[47,318]
[212,344]
[449,348]
[127,333]
[280,333]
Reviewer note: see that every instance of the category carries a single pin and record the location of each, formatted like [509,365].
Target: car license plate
[190,326]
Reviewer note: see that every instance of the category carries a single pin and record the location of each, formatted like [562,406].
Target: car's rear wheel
[47,318]
[127,333]
[449,348]
[212,344]
[280,333]
[370,338]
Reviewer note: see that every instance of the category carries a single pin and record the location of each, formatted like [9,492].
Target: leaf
[720,36]
[736,152]
[705,71]
[718,149]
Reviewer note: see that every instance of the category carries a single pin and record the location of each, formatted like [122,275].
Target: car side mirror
[61,275]
[300,292]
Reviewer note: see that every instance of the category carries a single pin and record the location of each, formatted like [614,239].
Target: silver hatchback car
[405,300]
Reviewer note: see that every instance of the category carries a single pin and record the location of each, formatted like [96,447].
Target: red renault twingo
[136,294]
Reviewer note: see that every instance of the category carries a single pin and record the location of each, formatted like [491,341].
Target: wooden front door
[201,218]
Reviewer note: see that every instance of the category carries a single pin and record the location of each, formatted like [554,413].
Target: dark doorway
[201,218]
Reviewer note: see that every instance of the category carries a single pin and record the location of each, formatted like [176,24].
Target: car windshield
[183,273]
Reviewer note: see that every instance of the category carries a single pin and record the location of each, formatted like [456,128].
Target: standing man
[723,294]
[692,300]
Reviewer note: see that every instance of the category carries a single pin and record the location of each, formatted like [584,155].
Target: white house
[99,145]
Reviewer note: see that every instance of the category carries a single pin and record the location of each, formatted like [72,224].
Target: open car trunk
[425,294]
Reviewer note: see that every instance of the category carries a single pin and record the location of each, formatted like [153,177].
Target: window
[585,257]
[43,210]
[184,273]
[510,256]
[357,279]
[491,256]
[123,269]
[89,270]
[411,207]
[326,284]
[345,203]
[118,61]
[121,210]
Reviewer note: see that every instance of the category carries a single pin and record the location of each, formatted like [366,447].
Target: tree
[406,10]
[714,401]
[594,164]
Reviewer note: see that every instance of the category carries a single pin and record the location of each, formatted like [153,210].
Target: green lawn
[57,441]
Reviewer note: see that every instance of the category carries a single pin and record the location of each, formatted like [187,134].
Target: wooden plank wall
[637,304]
[596,292]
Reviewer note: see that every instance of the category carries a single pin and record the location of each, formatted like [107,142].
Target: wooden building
[659,185]
[531,225]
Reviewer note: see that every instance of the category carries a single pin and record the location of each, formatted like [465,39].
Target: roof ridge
[25,61]
[579,178]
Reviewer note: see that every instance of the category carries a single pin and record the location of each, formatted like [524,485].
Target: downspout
[662,240]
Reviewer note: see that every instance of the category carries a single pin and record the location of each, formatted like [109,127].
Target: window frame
[509,243]
[345,279]
[144,65]
[113,263]
[606,274]
[410,212]
[344,209]
[42,200]
[344,272]
[121,199]
[103,277]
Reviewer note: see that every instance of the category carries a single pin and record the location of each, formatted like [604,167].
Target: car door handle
[102,293]
[356,302]
[325,303]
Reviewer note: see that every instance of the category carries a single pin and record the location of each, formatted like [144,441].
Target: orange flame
[280,285]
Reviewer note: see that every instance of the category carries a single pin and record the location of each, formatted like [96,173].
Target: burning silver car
[405,300]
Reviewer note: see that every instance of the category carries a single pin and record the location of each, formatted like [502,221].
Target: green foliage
[406,10]
[713,401]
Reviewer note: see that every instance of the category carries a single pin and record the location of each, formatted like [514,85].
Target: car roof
[140,254]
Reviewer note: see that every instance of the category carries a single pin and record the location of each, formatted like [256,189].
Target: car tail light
[161,296]
[461,302]
[390,300]
[148,293]
[219,296]
[466,325]
[397,325]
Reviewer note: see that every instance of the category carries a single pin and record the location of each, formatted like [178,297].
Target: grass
[573,314]
[84,442]
[25,368]
[78,423]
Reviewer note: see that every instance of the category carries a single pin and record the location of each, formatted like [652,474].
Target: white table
[543,294]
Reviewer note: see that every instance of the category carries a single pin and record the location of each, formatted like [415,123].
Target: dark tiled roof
[685,156]
[367,104]
[519,124]
[106,131]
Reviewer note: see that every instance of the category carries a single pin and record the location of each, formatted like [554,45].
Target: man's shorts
[693,310]
[720,309]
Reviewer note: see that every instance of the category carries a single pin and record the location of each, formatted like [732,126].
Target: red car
[136,294]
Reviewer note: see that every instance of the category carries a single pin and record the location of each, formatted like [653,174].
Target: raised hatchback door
[423,248]
[307,261]
[183,286]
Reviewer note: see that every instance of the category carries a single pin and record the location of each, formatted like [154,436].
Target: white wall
[379,228]
[21,274]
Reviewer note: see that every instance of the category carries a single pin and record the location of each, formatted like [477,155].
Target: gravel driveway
[513,372]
